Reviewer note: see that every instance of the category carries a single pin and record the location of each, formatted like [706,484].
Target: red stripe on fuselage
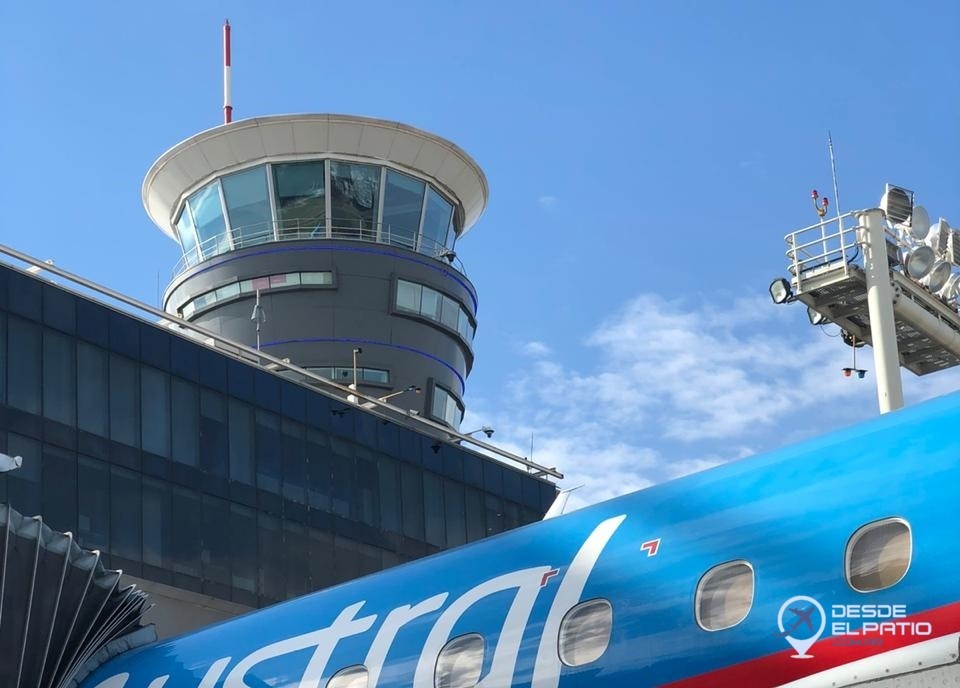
[776,669]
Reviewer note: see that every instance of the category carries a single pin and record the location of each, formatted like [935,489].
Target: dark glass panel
[241,442]
[3,357]
[293,401]
[475,516]
[214,451]
[125,512]
[402,205]
[93,322]
[92,389]
[208,218]
[433,509]
[301,199]
[494,514]
[187,517]
[23,365]
[157,531]
[187,234]
[411,484]
[436,221]
[248,206]
[243,548]
[215,546]
[24,295]
[124,335]
[294,462]
[389,495]
[185,421]
[511,515]
[342,474]
[154,347]
[155,403]
[93,504]
[318,470]
[124,401]
[511,484]
[59,480]
[366,506]
[354,194]
[322,571]
[271,571]
[59,309]
[59,378]
[184,359]
[453,504]
[268,451]
[296,558]
[23,486]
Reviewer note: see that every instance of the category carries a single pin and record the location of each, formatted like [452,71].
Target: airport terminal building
[219,458]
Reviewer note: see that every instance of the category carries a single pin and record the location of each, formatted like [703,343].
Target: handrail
[299,229]
[373,404]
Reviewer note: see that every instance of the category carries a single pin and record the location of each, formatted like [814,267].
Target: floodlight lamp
[861,373]
[939,274]
[919,226]
[10,463]
[897,204]
[919,262]
[847,372]
[816,317]
[951,289]
[780,290]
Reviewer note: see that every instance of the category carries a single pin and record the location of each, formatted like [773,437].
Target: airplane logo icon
[798,613]
[803,617]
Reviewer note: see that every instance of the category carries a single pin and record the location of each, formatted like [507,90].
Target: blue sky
[645,160]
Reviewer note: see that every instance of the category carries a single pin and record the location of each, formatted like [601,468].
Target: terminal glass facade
[315,199]
[191,468]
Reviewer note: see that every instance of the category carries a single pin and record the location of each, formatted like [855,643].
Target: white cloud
[547,203]
[535,349]
[678,387]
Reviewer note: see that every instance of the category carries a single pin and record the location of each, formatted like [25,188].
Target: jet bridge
[62,613]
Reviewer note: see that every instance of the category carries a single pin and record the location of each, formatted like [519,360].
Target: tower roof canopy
[231,147]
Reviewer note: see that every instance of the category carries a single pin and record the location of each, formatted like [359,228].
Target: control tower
[328,240]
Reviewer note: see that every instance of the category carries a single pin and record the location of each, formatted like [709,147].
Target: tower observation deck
[328,240]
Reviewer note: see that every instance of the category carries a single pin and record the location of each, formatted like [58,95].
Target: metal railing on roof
[294,373]
[302,229]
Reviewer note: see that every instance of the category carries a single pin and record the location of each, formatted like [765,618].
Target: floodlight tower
[337,234]
[886,277]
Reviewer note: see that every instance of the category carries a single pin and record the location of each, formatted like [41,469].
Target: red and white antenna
[227,105]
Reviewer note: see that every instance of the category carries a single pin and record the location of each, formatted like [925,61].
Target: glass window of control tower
[402,203]
[208,217]
[354,194]
[301,199]
[248,205]
[188,236]
[436,220]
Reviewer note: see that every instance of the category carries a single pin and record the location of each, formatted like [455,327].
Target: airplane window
[878,555]
[351,677]
[585,632]
[460,662]
[724,596]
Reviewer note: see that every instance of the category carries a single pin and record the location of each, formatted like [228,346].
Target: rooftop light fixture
[919,262]
[897,204]
[816,317]
[780,290]
[10,463]
[939,274]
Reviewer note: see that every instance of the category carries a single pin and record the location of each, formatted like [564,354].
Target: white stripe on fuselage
[904,667]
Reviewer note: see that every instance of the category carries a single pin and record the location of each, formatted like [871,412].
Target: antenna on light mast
[227,105]
[833,171]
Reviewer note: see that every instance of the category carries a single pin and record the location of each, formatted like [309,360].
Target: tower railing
[304,229]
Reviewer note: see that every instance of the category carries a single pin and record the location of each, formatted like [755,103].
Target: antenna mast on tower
[227,105]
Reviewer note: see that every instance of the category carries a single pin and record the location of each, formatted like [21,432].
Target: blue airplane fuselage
[789,514]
